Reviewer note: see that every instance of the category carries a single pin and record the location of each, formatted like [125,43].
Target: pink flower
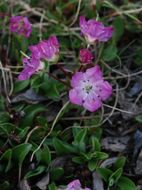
[75,185]
[85,56]
[31,66]
[47,49]
[89,89]
[20,25]
[94,30]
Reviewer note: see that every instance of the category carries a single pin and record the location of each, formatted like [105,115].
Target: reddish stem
[58,79]
[5,14]
[62,69]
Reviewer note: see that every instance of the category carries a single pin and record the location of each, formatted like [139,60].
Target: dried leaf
[42,184]
[29,96]
[127,105]
[23,185]
[59,162]
[108,162]
[115,144]
[136,88]
[97,182]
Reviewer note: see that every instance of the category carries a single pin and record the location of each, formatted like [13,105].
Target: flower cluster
[75,185]
[20,25]
[44,50]
[88,88]
[95,31]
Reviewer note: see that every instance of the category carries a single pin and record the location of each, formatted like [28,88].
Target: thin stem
[77,13]
[52,127]
[62,69]
[57,79]
[30,133]
[114,108]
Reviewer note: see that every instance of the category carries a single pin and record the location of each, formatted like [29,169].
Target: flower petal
[26,73]
[74,185]
[94,73]
[82,21]
[92,105]
[76,79]
[35,51]
[74,98]
[107,34]
[106,90]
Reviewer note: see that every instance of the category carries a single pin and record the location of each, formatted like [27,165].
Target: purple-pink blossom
[85,56]
[20,25]
[46,49]
[89,89]
[75,185]
[31,65]
[94,30]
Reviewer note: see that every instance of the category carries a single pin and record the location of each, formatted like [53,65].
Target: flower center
[88,88]
[20,24]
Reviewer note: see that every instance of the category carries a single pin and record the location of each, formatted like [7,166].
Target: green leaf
[52,186]
[20,152]
[6,128]
[79,140]
[100,155]
[92,165]
[37,81]
[52,88]
[20,85]
[45,155]
[125,183]
[119,28]
[56,173]
[78,159]
[5,186]
[30,112]
[109,53]
[80,137]
[120,162]
[4,117]
[62,147]
[23,132]
[42,121]
[86,156]
[105,173]
[6,157]
[35,172]
[139,118]
[115,177]
[95,144]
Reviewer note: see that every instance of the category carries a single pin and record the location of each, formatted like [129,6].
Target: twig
[52,127]
[114,106]
[77,13]
[30,133]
